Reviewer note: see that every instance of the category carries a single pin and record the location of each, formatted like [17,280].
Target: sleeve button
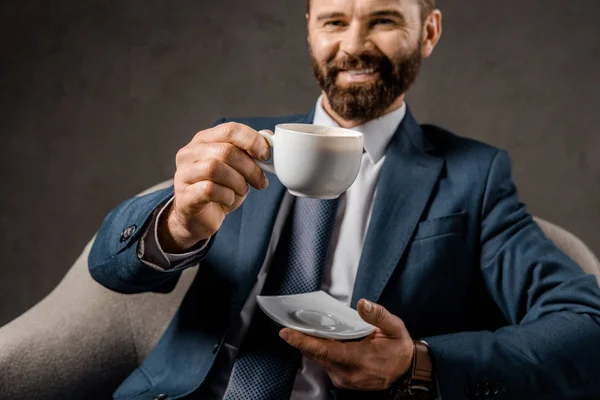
[473,392]
[127,233]
[486,389]
[499,388]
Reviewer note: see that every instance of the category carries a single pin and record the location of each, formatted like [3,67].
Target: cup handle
[267,165]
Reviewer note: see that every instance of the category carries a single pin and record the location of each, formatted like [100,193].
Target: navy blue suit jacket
[449,249]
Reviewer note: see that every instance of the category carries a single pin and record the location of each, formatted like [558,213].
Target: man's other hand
[374,363]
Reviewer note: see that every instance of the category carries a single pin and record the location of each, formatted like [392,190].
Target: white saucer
[317,314]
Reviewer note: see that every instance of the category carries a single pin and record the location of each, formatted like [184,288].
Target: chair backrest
[572,246]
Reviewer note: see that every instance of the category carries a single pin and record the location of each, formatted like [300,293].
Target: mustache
[363,61]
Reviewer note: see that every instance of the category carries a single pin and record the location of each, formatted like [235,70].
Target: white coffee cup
[314,161]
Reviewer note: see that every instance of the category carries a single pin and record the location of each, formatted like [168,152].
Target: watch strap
[417,383]
[422,367]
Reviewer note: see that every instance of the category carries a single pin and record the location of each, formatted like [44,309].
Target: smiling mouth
[357,75]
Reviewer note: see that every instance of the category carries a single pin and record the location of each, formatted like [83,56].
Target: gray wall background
[96,97]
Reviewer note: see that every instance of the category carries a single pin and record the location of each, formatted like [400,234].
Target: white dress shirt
[351,223]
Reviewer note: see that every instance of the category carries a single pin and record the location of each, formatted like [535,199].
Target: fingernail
[265,155]
[247,189]
[265,181]
[284,335]
[368,306]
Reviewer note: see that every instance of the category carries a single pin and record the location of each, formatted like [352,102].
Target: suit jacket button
[161,397]
[499,388]
[127,233]
[473,392]
[486,389]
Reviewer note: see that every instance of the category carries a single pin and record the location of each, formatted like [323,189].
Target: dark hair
[427,6]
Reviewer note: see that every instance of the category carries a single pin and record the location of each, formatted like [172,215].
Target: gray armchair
[82,340]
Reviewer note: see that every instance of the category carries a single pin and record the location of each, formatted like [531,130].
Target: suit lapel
[407,180]
[258,217]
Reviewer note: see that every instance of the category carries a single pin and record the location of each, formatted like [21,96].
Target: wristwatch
[417,383]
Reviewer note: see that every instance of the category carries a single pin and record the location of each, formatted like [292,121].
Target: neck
[344,123]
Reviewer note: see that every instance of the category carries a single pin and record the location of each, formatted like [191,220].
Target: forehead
[363,7]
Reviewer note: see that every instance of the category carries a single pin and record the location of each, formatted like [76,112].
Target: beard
[367,101]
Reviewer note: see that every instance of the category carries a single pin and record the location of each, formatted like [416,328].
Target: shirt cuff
[152,252]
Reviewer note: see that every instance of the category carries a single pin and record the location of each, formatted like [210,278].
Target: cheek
[394,44]
[324,48]
[397,53]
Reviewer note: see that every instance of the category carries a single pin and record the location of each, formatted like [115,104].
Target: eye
[382,21]
[334,23]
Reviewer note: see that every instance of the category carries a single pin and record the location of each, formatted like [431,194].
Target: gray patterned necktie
[266,366]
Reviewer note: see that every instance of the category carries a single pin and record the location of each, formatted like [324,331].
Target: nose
[355,40]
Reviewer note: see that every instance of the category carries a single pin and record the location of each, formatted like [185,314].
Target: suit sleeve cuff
[151,253]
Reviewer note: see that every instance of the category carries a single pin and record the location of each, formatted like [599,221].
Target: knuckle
[178,179]
[353,379]
[181,155]
[257,174]
[228,129]
[257,141]
[208,188]
[387,382]
[229,196]
[240,187]
[336,381]
[345,381]
[211,167]
[227,151]
[382,314]
[321,353]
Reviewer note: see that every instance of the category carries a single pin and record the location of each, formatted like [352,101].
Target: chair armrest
[83,340]
[76,343]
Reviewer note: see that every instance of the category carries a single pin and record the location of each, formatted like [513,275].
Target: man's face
[365,53]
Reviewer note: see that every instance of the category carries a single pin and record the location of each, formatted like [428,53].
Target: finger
[213,170]
[238,202]
[240,161]
[240,135]
[378,316]
[204,192]
[321,350]
[227,153]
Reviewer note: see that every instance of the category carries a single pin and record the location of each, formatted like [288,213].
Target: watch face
[408,394]
[418,391]
[413,389]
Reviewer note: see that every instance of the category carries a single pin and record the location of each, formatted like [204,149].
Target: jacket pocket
[449,224]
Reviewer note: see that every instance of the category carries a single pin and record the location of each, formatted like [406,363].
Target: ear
[432,31]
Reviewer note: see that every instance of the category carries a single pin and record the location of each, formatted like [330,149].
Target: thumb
[381,318]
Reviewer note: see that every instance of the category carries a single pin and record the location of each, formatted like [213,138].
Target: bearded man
[430,244]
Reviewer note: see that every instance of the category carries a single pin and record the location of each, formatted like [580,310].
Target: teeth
[361,71]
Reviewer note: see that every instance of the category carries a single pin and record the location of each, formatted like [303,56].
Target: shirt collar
[377,132]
